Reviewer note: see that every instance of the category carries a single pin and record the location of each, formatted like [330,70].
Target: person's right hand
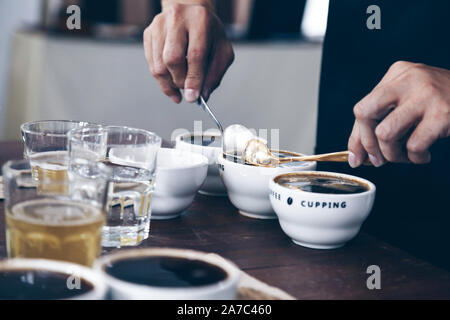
[186,48]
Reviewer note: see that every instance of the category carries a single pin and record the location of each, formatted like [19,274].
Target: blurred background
[99,73]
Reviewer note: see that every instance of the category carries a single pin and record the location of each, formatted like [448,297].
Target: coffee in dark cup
[169,274]
[39,279]
[164,271]
[322,183]
[30,284]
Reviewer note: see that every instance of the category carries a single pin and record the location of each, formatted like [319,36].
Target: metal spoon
[202,103]
[257,153]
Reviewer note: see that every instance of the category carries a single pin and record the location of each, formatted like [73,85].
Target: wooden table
[260,248]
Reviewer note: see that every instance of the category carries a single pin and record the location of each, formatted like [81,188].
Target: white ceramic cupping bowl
[179,175]
[122,290]
[318,220]
[213,184]
[248,186]
[70,269]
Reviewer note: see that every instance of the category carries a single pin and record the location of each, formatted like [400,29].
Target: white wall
[13,15]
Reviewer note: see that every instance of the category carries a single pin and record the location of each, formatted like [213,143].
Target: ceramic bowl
[179,175]
[124,289]
[74,278]
[321,220]
[209,145]
[248,186]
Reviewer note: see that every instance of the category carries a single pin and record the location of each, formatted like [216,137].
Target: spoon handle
[202,103]
[341,156]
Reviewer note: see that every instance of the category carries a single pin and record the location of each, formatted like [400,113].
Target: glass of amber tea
[45,145]
[131,154]
[53,225]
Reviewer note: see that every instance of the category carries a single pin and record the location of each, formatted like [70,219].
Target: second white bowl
[209,145]
[179,175]
[248,186]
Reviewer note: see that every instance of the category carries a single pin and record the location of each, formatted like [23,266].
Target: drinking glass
[53,225]
[45,145]
[131,153]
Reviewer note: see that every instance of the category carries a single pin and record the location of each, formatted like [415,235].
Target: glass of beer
[131,154]
[45,145]
[54,225]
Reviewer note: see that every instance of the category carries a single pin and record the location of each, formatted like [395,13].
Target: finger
[196,57]
[148,48]
[370,142]
[377,104]
[357,153]
[160,72]
[368,111]
[394,151]
[392,130]
[384,97]
[222,58]
[425,134]
[174,55]
[395,70]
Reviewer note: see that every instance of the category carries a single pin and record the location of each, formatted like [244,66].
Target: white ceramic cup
[248,186]
[213,185]
[321,220]
[73,271]
[122,290]
[179,175]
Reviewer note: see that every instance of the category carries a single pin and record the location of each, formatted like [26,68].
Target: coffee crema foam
[322,183]
[203,140]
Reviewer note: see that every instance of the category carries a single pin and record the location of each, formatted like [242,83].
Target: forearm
[207,3]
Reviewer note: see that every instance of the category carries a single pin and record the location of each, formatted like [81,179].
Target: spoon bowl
[235,139]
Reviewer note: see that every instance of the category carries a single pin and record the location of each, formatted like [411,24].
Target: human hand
[186,48]
[402,117]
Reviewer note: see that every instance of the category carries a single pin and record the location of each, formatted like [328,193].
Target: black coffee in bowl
[38,285]
[204,141]
[322,184]
[161,271]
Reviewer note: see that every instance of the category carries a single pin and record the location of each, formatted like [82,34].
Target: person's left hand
[402,117]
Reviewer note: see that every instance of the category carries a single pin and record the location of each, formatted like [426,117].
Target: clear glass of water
[46,147]
[131,153]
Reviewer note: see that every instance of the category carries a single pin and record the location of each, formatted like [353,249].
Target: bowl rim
[371,186]
[180,139]
[203,161]
[64,267]
[232,271]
